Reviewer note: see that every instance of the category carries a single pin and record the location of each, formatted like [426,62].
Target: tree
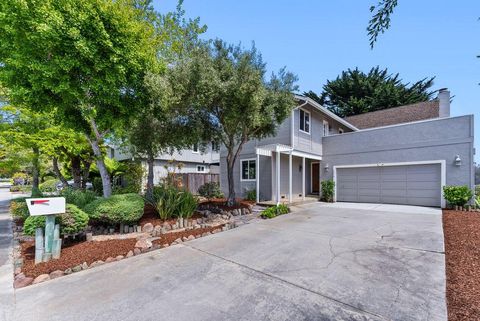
[229,93]
[355,92]
[380,20]
[81,60]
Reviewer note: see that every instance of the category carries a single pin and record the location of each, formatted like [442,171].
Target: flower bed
[462,256]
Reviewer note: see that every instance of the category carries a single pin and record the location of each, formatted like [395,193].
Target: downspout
[292,125]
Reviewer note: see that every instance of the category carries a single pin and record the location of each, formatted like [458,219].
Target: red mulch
[462,253]
[77,253]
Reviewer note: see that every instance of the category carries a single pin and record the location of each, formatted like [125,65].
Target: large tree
[355,92]
[81,60]
[229,92]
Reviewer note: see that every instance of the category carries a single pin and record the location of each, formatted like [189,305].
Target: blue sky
[318,39]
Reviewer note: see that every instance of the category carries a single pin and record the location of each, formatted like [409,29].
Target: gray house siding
[440,139]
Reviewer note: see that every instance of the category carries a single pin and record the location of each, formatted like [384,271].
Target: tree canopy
[355,92]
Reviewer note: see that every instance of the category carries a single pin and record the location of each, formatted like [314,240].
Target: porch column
[290,177]
[257,178]
[303,178]
[278,178]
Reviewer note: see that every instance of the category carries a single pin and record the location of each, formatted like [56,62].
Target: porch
[295,175]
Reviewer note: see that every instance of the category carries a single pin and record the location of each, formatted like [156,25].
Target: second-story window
[326,128]
[304,121]
[195,148]
[215,146]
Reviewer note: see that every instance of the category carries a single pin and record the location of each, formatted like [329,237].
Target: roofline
[325,111]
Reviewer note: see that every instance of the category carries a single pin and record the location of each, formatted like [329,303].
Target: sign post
[50,245]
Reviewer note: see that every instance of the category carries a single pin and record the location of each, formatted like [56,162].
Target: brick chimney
[444,103]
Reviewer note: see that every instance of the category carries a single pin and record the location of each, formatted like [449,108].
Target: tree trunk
[150,164]
[36,172]
[231,181]
[76,164]
[97,152]
[85,173]
[59,174]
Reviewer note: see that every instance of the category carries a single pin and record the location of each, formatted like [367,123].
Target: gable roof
[325,111]
[396,115]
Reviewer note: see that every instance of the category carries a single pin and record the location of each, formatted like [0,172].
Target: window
[200,168]
[195,148]
[304,121]
[326,128]
[340,131]
[215,146]
[248,170]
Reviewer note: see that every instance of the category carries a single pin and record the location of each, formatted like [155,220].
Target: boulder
[77,268]
[119,257]
[158,230]
[19,276]
[177,241]
[165,245]
[68,271]
[96,263]
[18,270]
[84,266]
[41,278]
[109,259]
[143,244]
[56,274]
[184,239]
[137,251]
[129,254]
[22,282]
[167,226]
[147,228]
[190,237]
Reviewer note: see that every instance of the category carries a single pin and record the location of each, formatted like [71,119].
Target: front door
[315,178]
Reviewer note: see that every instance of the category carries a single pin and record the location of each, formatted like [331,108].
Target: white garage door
[409,185]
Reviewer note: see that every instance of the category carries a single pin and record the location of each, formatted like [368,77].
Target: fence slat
[193,181]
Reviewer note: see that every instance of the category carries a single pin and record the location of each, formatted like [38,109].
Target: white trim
[309,121]
[443,173]
[241,171]
[303,178]
[327,133]
[204,169]
[306,155]
[311,177]
[290,164]
[257,185]
[277,198]
[326,111]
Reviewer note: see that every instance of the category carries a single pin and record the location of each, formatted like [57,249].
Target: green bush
[49,186]
[21,188]
[457,195]
[19,208]
[210,190]
[117,209]
[477,190]
[328,188]
[274,211]
[72,222]
[97,185]
[172,202]
[251,195]
[78,197]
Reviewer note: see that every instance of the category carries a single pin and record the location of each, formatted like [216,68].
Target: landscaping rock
[77,268]
[109,259]
[19,276]
[22,282]
[126,229]
[84,266]
[119,257]
[137,251]
[167,226]
[18,270]
[147,228]
[41,278]
[143,243]
[96,263]
[166,245]
[177,241]
[184,239]
[157,230]
[68,271]
[56,274]
[129,254]
[130,229]
[190,237]
[89,236]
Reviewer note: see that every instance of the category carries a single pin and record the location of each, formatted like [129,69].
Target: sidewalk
[7,298]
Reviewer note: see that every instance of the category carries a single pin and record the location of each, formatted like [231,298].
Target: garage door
[410,185]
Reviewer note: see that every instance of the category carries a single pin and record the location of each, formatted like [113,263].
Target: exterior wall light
[326,167]
[458,160]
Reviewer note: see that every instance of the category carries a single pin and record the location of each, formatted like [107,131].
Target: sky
[317,40]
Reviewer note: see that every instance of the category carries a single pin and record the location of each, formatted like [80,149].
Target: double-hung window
[304,121]
[201,168]
[195,148]
[248,170]
[326,128]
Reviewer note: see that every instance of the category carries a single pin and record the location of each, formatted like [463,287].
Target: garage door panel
[409,184]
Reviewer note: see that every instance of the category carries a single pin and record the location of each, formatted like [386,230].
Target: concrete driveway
[323,262]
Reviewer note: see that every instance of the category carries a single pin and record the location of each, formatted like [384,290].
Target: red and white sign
[46,206]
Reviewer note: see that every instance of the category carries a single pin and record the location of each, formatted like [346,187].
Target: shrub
[73,221]
[49,186]
[172,202]
[78,197]
[210,190]
[477,190]
[457,195]
[251,195]
[97,185]
[117,209]
[187,204]
[328,188]
[19,208]
[20,188]
[274,211]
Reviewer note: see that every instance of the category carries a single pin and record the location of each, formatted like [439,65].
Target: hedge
[117,209]
[72,222]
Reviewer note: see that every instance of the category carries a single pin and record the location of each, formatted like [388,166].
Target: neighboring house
[402,155]
[195,160]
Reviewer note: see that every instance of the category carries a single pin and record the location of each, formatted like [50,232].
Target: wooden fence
[193,181]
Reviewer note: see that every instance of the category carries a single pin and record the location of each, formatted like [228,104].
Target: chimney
[443,103]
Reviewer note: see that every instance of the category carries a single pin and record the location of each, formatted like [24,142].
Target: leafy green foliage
[78,197]
[355,92]
[19,208]
[380,20]
[328,189]
[251,195]
[457,195]
[124,208]
[21,188]
[49,186]
[173,202]
[73,221]
[274,211]
[210,190]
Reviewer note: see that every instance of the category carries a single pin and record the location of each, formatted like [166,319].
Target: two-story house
[402,155]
